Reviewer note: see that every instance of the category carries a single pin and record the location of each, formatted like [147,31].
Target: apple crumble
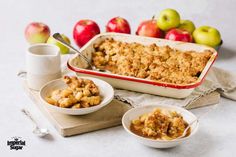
[80,93]
[159,63]
[160,124]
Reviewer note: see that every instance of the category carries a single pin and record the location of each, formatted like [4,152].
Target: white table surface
[217,132]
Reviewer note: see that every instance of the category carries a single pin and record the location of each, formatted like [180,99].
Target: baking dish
[79,66]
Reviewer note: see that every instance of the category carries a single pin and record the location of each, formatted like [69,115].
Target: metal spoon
[59,38]
[41,132]
[186,129]
[196,120]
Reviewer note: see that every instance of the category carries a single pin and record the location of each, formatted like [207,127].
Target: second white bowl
[136,112]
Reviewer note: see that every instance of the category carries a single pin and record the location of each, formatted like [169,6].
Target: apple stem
[153,17]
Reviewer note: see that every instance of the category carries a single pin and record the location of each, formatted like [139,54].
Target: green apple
[63,49]
[168,19]
[187,25]
[207,35]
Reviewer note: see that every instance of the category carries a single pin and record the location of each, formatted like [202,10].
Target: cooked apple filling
[159,63]
[160,124]
[80,93]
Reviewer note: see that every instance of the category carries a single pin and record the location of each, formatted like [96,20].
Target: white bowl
[136,112]
[106,91]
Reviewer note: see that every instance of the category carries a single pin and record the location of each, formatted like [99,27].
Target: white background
[217,133]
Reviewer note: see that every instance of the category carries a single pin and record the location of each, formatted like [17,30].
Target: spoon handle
[189,126]
[59,38]
[196,120]
[27,113]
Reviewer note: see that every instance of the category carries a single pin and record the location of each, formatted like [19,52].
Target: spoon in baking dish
[59,38]
[41,132]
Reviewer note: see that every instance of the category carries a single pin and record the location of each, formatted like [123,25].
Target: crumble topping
[159,63]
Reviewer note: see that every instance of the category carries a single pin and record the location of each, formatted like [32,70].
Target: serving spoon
[41,132]
[59,38]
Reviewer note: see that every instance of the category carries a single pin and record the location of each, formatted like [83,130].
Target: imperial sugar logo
[16,143]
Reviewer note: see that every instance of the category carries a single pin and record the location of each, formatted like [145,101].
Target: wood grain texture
[68,125]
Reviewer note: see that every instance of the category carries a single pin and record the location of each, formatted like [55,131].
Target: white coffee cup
[43,64]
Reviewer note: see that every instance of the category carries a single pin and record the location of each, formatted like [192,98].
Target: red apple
[84,30]
[37,32]
[179,35]
[149,28]
[119,25]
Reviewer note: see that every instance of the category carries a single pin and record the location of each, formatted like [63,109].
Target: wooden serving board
[109,116]
[68,125]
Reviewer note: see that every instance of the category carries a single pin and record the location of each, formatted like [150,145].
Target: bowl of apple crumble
[76,95]
[160,126]
[144,64]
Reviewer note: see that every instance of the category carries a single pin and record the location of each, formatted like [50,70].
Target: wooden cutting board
[68,125]
[109,116]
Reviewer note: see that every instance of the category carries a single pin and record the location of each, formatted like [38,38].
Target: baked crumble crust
[159,63]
